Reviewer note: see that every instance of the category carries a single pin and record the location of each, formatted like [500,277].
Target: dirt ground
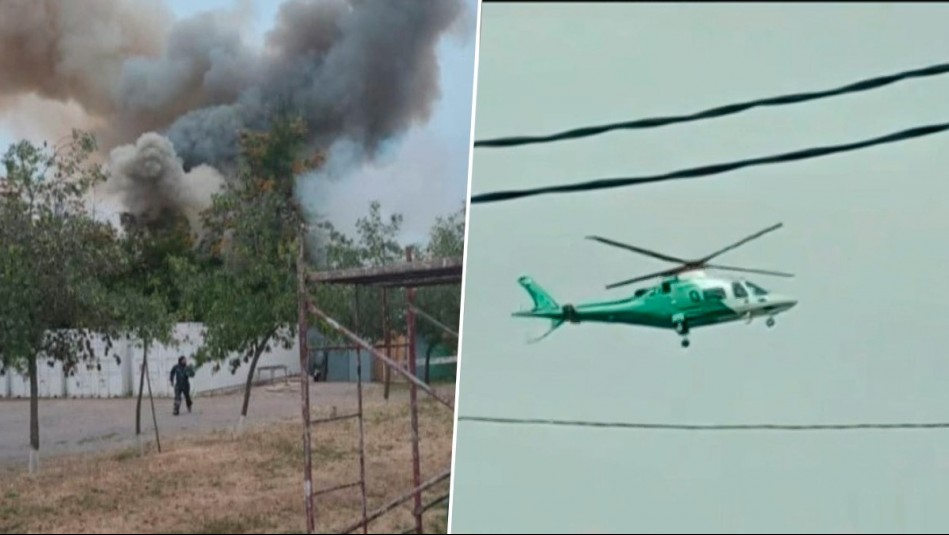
[206,480]
[87,425]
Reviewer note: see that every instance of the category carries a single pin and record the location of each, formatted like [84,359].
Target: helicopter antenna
[691,265]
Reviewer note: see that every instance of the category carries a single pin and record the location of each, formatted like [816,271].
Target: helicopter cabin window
[666,287]
[739,290]
[757,290]
[713,294]
[640,292]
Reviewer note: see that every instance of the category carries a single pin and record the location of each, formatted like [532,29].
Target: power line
[707,427]
[720,111]
[714,169]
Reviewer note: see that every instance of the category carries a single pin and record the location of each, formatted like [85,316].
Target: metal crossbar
[437,271]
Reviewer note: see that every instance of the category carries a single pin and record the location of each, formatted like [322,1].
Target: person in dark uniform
[180,380]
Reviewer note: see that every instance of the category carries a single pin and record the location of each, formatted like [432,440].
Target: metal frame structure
[408,276]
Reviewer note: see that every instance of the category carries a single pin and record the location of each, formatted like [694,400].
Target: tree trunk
[250,382]
[34,417]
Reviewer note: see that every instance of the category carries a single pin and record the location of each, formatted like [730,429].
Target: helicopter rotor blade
[639,250]
[749,270]
[741,242]
[644,277]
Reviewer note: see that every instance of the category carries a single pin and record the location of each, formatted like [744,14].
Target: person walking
[181,380]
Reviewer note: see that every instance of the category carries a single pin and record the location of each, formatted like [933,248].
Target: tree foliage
[446,240]
[377,244]
[58,263]
[248,301]
[59,267]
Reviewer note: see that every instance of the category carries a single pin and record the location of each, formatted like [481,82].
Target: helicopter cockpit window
[757,290]
[640,292]
[739,290]
[712,294]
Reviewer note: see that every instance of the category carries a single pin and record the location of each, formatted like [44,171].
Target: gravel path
[82,425]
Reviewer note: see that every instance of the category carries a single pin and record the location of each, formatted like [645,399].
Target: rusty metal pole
[387,373]
[362,439]
[401,370]
[302,327]
[401,499]
[413,401]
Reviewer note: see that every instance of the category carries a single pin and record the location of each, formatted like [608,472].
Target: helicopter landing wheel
[681,327]
[770,322]
[685,342]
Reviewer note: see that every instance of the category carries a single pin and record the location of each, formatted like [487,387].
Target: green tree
[443,303]
[376,244]
[150,289]
[248,302]
[57,263]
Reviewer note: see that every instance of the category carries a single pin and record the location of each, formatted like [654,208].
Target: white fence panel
[108,382]
[51,383]
[114,379]
[104,377]
[158,370]
[206,380]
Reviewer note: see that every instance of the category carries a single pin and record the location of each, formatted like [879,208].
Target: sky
[432,158]
[864,234]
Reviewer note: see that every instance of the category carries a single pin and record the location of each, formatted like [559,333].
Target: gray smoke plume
[362,71]
[150,181]
[359,71]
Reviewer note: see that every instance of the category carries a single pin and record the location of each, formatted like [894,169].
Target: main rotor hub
[684,265]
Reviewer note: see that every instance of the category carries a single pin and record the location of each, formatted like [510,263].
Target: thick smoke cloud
[363,71]
[64,50]
[150,181]
[360,72]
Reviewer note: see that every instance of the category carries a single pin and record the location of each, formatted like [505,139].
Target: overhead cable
[719,111]
[708,427]
[708,170]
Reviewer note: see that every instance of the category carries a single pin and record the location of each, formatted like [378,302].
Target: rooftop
[432,272]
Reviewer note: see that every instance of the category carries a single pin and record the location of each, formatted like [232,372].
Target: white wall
[107,380]
[113,379]
[161,360]
[51,381]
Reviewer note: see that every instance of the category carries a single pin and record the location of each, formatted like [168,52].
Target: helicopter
[685,298]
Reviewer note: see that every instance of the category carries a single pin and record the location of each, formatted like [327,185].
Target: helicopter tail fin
[545,307]
[542,300]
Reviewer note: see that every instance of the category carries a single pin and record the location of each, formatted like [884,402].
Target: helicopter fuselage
[685,298]
[680,303]
[696,302]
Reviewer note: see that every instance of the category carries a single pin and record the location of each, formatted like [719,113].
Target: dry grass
[219,484]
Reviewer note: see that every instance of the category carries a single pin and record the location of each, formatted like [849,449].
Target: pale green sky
[865,234]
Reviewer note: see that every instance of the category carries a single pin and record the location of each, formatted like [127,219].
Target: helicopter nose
[788,303]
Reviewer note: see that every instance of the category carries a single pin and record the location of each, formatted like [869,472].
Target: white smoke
[149,179]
